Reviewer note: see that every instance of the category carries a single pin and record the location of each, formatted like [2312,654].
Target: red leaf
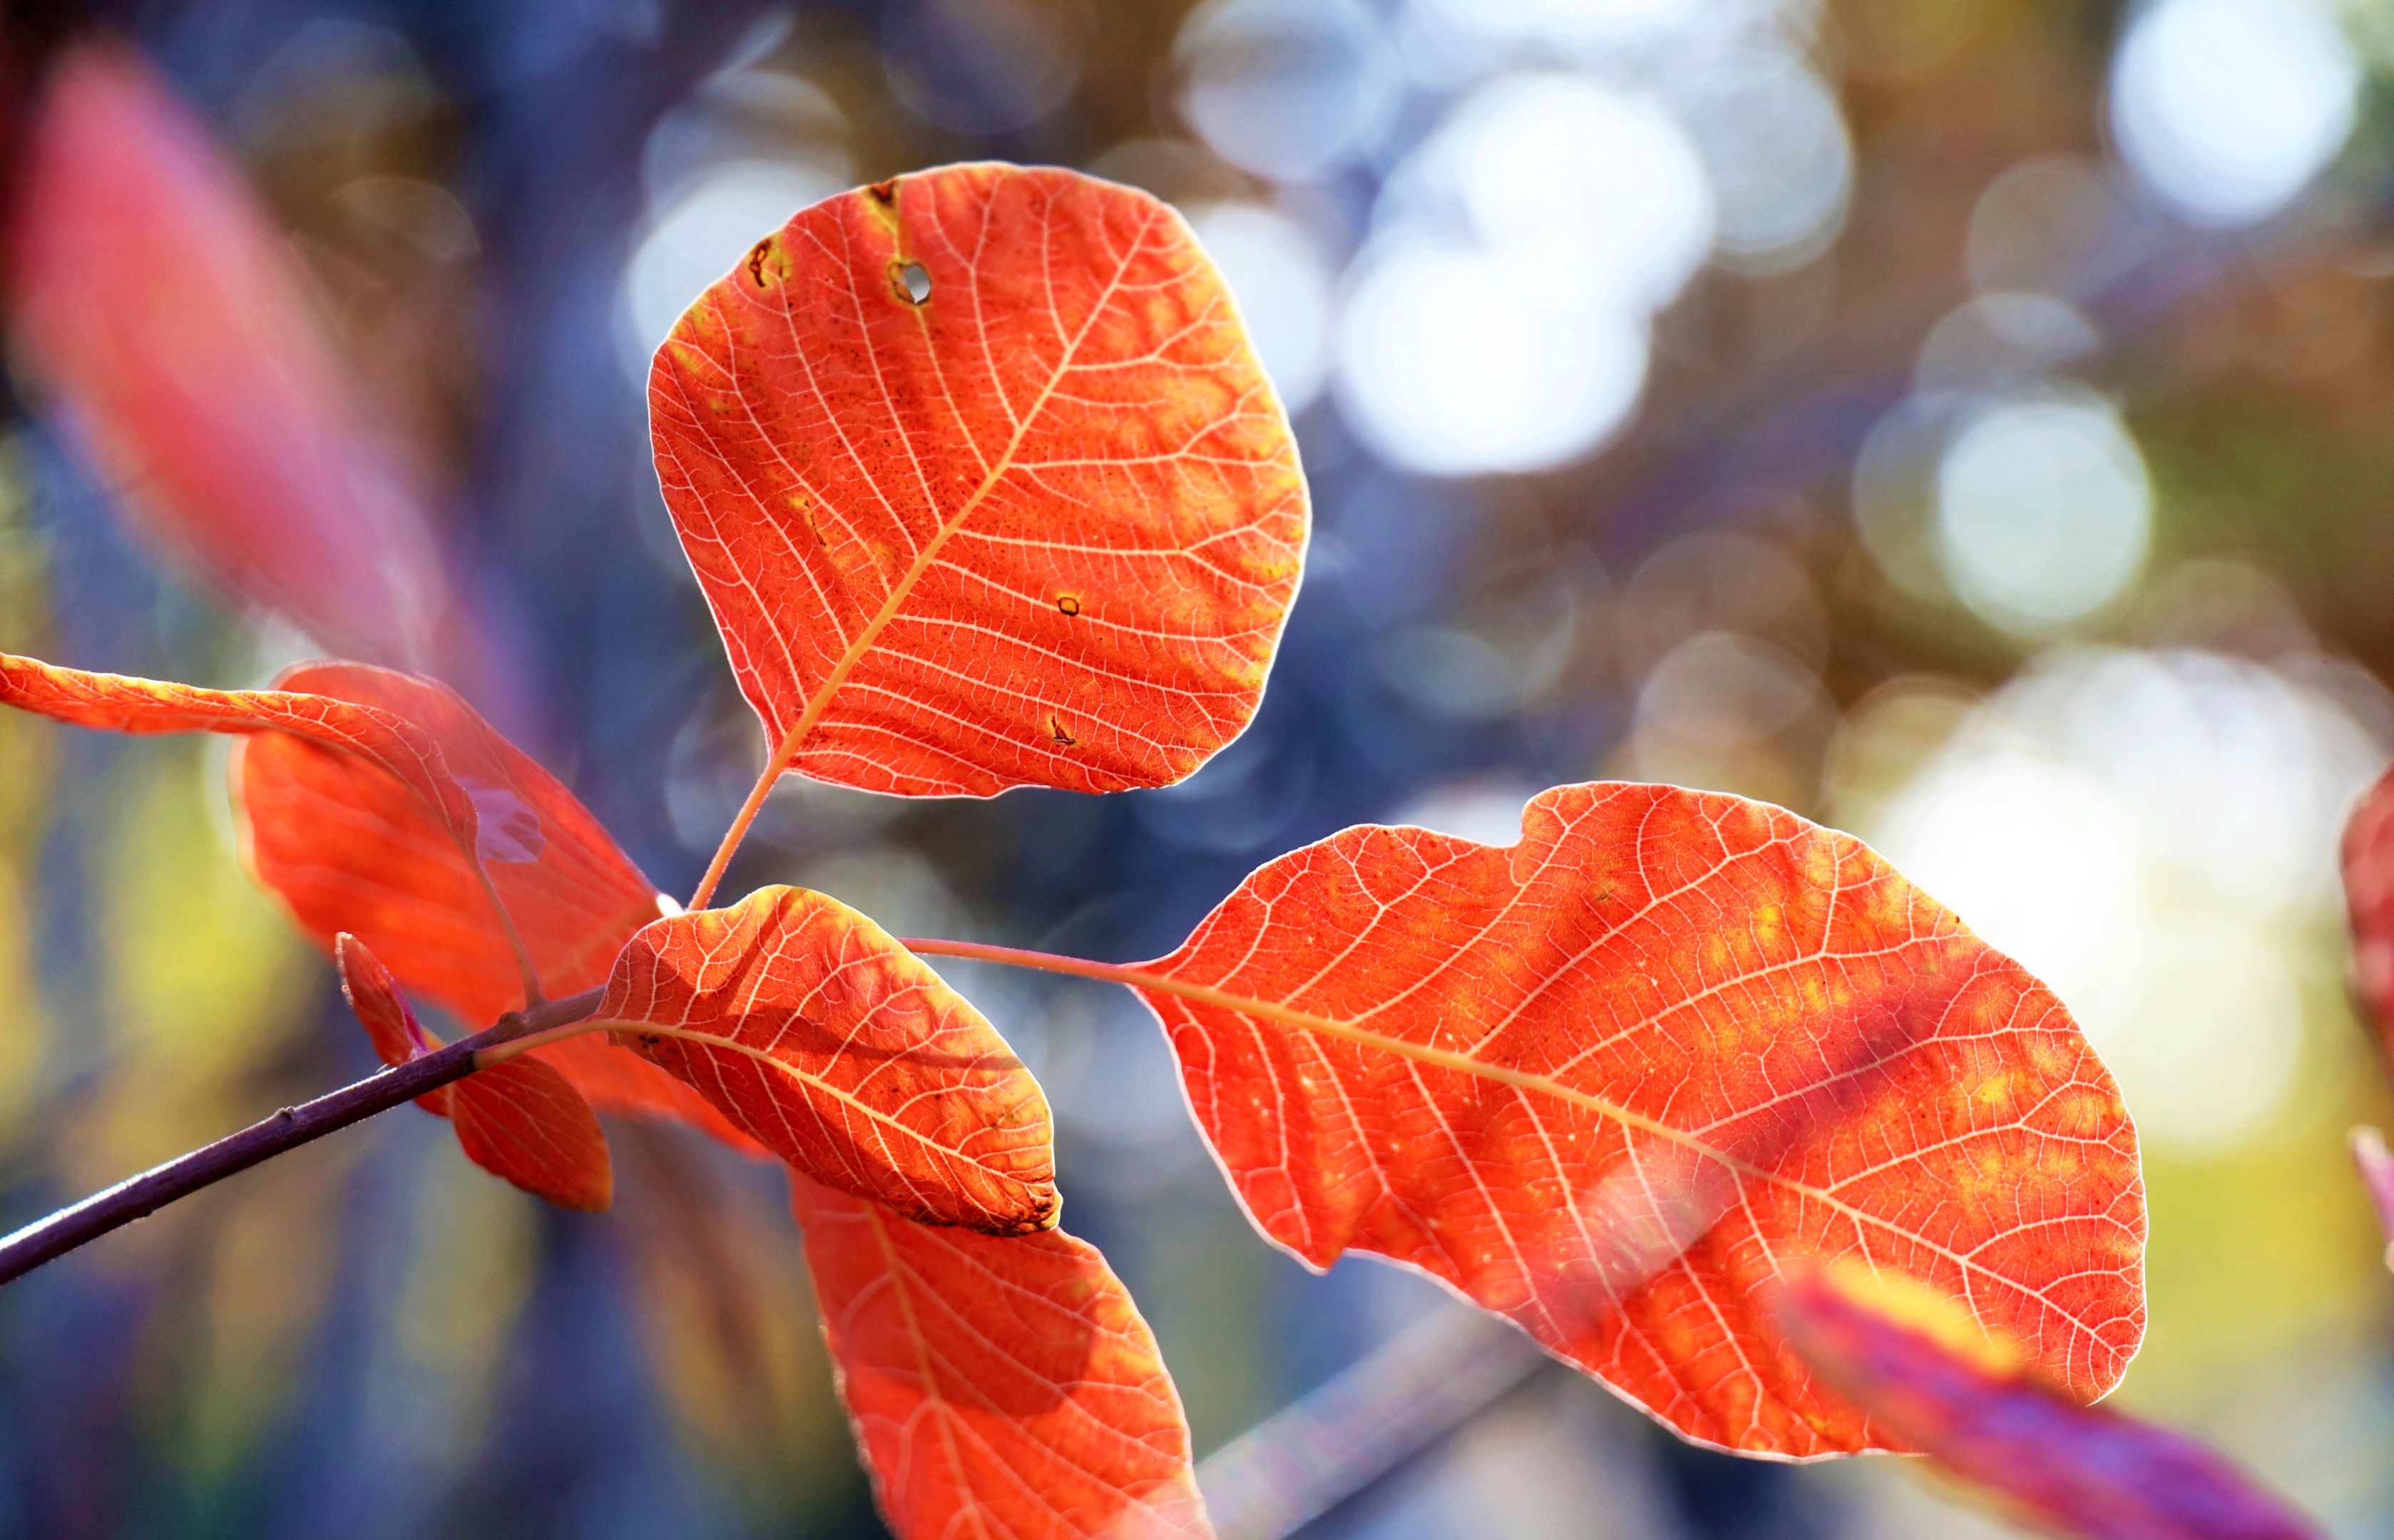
[375,999]
[378,803]
[846,1056]
[1915,1362]
[2369,894]
[1001,1387]
[1038,527]
[1605,1080]
[518,1120]
[162,307]
[387,742]
[344,850]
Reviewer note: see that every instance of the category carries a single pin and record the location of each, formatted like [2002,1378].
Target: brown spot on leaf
[758,265]
[881,200]
[1055,729]
[1069,603]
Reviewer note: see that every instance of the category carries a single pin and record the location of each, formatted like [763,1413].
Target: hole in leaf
[913,282]
[1062,735]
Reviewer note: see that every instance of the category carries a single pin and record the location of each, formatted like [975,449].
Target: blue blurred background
[1964,422]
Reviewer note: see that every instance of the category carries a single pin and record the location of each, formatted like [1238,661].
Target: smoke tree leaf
[845,1054]
[519,1120]
[1606,1080]
[362,795]
[999,1386]
[985,485]
[344,850]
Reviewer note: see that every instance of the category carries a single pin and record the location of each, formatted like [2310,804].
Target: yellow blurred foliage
[468,1272]
[206,980]
[270,1263]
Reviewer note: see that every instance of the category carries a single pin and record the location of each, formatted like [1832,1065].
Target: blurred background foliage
[1960,421]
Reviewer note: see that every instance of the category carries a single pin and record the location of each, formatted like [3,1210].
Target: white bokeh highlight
[2044,510]
[2230,108]
[1458,361]
[2152,834]
[1281,280]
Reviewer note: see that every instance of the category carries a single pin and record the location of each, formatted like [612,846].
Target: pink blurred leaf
[159,305]
[1918,1366]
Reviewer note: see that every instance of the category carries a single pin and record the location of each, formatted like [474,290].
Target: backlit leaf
[158,304]
[842,1053]
[1001,1387]
[378,803]
[344,850]
[985,485]
[519,1120]
[2369,895]
[1606,1080]
[1917,1363]
[365,732]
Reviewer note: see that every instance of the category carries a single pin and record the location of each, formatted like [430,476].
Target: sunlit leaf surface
[377,803]
[1608,1080]
[345,851]
[519,1120]
[1916,1361]
[1001,1387]
[845,1054]
[985,485]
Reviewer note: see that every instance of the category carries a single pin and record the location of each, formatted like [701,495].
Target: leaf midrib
[927,557]
[1446,1059]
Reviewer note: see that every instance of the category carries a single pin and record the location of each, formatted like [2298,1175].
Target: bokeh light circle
[1289,89]
[1281,281]
[1457,361]
[2044,510]
[2229,107]
[1600,186]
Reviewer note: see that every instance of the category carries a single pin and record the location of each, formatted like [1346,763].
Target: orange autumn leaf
[1606,1080]
[345,849]
[1003,1387]
[2369,897]
[1916,1361]
[379,803]
[841,1052]
[387,742]
[985,485]
[375,999]
[519,1120]
[159,306]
